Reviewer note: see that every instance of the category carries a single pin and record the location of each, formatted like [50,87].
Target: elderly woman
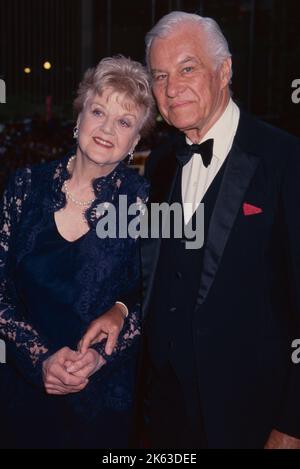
[58,275]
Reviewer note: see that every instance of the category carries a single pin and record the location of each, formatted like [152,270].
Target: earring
[75,132]
[130,157]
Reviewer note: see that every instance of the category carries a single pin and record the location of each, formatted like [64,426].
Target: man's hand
[278,440]
[56,379]
[108,326]
[87,365]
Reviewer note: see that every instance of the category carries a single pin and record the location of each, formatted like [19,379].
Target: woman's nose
[107,126]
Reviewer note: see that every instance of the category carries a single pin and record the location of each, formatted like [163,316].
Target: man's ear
[225,72]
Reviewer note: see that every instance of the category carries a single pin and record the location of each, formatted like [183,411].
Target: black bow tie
[205,149]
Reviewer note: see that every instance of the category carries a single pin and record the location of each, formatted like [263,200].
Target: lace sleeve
[24,346]
[128,339]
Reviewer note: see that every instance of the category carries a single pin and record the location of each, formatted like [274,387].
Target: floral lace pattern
[28,347]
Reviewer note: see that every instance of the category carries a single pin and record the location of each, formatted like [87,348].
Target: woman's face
[108,127]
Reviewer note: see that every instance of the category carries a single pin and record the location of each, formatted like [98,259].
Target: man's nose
[174,87]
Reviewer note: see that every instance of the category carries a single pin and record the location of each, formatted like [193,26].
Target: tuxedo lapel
[237,176]
[162,184]
[240,168]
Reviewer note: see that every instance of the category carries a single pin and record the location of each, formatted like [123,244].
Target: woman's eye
[124,123]
[97,112]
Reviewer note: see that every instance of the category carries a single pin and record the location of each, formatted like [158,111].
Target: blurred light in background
[27,70]
[47,65]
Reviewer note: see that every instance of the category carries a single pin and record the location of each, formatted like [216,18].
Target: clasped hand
[67,371]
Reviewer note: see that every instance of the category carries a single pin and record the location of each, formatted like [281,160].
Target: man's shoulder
[160,155]
[167,144]
[262,138]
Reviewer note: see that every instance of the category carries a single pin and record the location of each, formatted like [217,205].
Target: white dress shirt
[196,178]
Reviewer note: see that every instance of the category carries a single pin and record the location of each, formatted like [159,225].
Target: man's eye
[187,69]
[160,77]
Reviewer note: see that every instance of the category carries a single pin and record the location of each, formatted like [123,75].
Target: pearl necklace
[70,195]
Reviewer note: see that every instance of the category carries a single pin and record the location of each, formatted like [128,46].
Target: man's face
[191,93]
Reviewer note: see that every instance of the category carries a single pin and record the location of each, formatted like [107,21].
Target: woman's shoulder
[134,183]
[30,176]
[46,169]
[18,183]
[25,174]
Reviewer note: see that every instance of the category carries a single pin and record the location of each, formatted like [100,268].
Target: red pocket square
[249,209]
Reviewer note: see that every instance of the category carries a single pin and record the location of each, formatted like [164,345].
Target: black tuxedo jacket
[248,304]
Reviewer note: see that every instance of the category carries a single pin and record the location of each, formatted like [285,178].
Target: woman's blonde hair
[125,76]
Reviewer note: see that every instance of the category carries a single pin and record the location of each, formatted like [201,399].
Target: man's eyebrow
[181,62]
[157,70]
[188,59]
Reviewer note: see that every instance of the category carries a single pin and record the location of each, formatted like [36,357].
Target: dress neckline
[60,236]
[105,188]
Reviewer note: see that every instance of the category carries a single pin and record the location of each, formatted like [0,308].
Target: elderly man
[219,320]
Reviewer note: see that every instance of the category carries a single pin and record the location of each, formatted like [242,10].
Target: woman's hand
[87,365]
[108,326]
[57,380]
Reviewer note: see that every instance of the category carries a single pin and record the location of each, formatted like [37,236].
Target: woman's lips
[103,143]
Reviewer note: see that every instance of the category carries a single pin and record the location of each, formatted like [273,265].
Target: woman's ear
[136,141]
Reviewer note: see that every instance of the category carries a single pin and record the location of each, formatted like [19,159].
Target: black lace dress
[51,289]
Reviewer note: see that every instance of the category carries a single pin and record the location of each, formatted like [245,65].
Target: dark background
[263,35]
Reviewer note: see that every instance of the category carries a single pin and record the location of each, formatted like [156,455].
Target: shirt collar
[223,131]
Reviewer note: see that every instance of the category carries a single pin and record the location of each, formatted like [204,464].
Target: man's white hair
[216,44]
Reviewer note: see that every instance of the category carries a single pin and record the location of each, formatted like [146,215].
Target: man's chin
[183,126]
[181,123]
